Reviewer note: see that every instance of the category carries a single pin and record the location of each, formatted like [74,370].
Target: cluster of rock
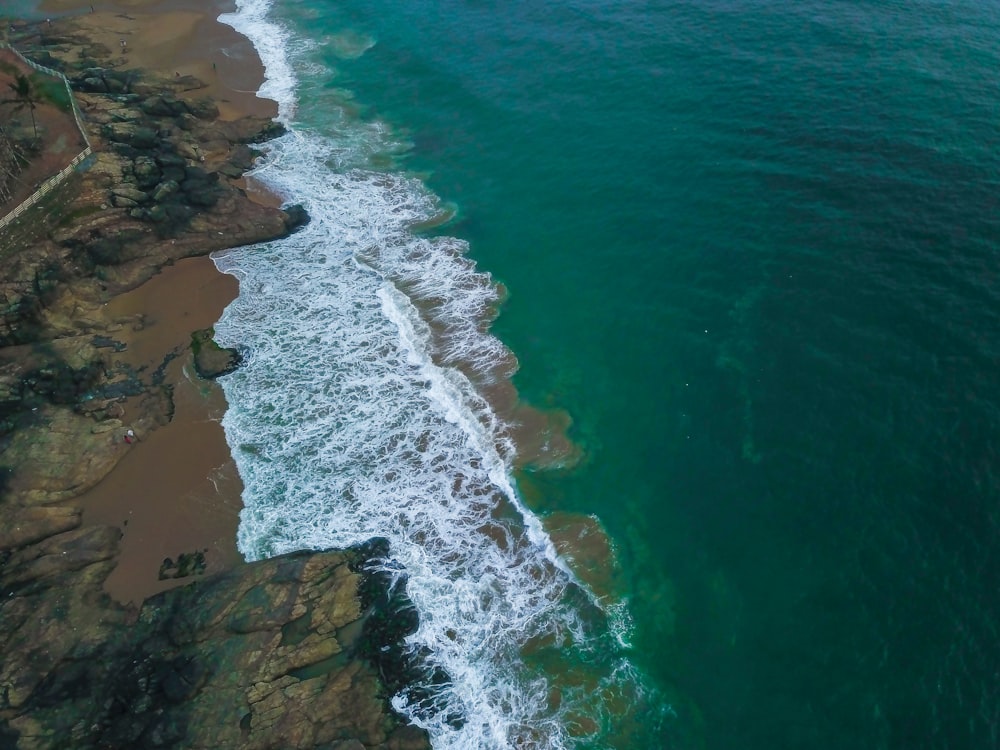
[283,653]
[163,184]
[163,179]
[188,564]
[210,359]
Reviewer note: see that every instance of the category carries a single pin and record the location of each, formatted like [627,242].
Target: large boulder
[163,105]
[211,360]
[146,171]
[274,654]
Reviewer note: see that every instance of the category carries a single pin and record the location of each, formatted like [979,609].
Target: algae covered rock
[210,359]
[270,655]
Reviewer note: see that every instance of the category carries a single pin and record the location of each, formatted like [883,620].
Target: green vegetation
[51,90]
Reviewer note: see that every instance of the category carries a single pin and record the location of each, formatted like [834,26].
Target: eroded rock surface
[274,654]
[210,359]
[163,184]
[283,653]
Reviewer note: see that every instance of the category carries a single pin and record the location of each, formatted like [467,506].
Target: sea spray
[357,414]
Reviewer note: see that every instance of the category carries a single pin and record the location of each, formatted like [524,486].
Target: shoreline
[175,491]
[110,289]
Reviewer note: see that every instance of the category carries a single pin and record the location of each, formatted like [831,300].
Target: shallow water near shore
[751,250]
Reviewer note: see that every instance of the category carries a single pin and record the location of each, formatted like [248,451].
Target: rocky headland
[294,652]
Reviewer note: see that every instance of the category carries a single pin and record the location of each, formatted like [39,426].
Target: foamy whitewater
[356,415]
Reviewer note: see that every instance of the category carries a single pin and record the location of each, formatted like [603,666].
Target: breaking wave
[359,412]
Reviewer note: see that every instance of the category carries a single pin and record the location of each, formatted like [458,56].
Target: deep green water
[751,248]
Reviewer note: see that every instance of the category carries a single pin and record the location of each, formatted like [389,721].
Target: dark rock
[122,202]
[212,664]
[61,383]
[178,212]
[125,150]
[242,157]
[296,217]
[203,197]
[146,171]
[195,175]
[203,109]
[24,526]
[144,138]
[182,679]
[231,171]
[173,174]
[164,190]
[187,121]
[131,193]
[166,159]
[163,106]
[91,84]
[269,132]
[211,360]
[188,564]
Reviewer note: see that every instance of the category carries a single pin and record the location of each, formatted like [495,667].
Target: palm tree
[12,161]
[24,96]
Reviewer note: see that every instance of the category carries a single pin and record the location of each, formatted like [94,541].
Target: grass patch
[50,90]
[80,213]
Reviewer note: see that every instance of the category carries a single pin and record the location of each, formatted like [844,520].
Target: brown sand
[174,36]
[176,490]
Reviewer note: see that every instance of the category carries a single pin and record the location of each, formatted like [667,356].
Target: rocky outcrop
[283,653]
[163,184]
[210,359]
[274,654]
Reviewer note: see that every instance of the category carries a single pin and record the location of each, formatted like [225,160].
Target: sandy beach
[176,489]
[179,37]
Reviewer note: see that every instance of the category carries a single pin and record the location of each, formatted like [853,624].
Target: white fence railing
[53,181]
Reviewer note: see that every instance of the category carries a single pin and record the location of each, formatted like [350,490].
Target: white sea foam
[272,42]
[356,414]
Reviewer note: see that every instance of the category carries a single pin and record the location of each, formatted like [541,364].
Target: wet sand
[176,490]
[179,37]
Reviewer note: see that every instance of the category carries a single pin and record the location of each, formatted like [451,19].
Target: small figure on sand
[130,436]
[124,45]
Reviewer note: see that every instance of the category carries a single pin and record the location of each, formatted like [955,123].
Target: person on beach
[130,436]
[124,45]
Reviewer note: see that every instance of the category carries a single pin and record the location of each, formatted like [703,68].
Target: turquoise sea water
[751,250]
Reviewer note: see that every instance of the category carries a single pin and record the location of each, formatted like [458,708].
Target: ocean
[660,340]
